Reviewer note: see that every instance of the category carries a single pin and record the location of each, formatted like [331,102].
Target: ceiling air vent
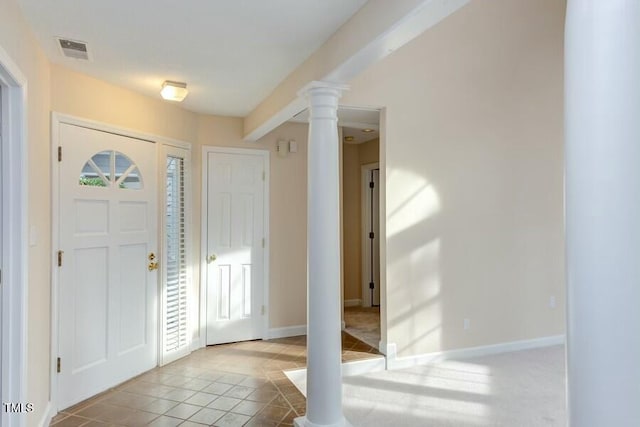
[73,48]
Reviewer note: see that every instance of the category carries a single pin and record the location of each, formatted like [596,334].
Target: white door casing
[235,251]
[107,293]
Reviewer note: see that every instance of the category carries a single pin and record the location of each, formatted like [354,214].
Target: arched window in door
[111,168]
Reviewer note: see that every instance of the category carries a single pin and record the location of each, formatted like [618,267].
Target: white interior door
[235,238]
[108,275]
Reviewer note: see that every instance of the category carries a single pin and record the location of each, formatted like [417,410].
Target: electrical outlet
[552,301]
[466,324]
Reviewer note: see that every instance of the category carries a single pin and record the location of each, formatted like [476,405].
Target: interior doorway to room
[235,209]
[359,129]
[361,186]
[107,260]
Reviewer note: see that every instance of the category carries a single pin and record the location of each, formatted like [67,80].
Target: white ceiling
[231,53]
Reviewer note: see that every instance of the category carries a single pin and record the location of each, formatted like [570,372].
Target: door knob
[211,258]
[152,264]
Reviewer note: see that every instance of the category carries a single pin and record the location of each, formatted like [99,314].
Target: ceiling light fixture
[349,138]
[174,91]
[367,130]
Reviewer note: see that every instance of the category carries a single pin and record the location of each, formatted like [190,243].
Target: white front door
[108,278]
[235,197]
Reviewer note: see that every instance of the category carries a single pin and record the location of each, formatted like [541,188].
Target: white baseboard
[394,362]
[48,415]
[288,331]
[352,302]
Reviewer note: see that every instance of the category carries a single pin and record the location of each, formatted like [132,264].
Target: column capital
[323,87]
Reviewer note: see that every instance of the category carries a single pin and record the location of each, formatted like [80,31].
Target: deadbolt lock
[152,256]
[211,258]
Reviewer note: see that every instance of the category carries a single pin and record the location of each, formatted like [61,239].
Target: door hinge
[59,153]
[263,310]
[58,364]
[60,258]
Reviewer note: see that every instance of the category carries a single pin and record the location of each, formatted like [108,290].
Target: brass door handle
[211,258]
[152,264]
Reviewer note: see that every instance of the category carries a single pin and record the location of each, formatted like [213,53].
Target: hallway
[239,384]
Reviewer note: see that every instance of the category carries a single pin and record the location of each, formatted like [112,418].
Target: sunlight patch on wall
[416,327]
[410,201]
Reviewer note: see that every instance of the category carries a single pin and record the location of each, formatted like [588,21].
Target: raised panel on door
[235,229]
[89,314]
[133,303]
[107,296]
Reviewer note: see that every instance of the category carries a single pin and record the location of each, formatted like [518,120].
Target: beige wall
[18,41]
[353,157]
[86,97]
[369,152]
[474,177]
[352,271]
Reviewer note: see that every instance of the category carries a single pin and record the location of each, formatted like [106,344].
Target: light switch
[293,146]
[282,148]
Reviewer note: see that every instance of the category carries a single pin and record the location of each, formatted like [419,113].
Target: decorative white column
[602,155]
[324,344]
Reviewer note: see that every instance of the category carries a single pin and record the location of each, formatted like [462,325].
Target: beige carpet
[518,389]
[364,324]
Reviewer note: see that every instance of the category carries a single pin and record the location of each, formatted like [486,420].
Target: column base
[304,422]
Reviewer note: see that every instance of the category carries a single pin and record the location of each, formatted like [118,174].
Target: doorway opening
[361,185]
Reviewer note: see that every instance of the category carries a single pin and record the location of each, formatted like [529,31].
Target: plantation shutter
[176,340]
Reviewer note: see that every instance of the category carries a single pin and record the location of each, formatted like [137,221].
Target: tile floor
[363,323]
[240,384]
